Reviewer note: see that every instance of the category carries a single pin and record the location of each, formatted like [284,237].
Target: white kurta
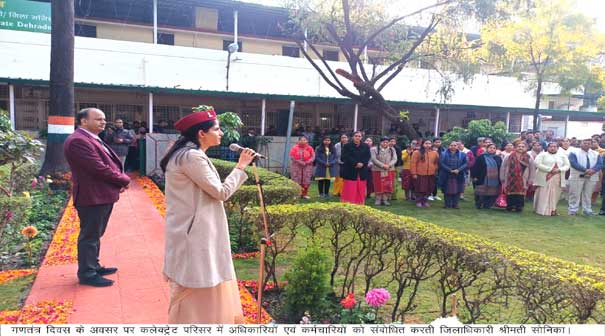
[545,162]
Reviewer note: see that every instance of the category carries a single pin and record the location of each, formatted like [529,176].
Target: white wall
[109,62]
[584,129]
[557,126]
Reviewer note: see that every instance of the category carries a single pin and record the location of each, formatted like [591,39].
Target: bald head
[92,120]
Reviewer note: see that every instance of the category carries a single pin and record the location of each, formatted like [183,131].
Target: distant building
[138,71]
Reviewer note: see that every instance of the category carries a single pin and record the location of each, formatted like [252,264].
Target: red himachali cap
[193,119]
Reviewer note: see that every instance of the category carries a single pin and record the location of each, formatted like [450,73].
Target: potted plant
[230,124]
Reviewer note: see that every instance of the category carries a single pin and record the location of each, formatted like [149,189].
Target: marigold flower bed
[248,302]
[63,249]
[44,312]
[6,276]
[246,255]
[9,316]
[155,194]
[249,307]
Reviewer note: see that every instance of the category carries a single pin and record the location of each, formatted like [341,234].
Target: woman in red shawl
[517,173]
[302,157]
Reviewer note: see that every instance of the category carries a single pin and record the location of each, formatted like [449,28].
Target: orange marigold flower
[63,248]
[29,232]
[9,275]
[9,316]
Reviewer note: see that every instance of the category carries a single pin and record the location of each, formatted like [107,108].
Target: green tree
[61,102]
[546,42]
[16,151]
[479,128]
[431,35]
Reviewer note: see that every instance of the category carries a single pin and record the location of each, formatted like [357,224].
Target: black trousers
[451,200]
[484,202]
[515,202]
[324,187]
[93,222]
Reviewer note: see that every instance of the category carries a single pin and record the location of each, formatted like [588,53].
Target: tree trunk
[383,108]
[61,105]
[537,106]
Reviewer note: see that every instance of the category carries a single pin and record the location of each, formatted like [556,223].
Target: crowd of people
[123,138]
[534,167]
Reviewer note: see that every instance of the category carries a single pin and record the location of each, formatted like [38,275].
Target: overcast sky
[591,8]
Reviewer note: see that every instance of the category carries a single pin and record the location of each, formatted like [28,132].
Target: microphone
[237,148]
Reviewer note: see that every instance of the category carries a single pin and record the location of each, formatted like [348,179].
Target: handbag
[501,200]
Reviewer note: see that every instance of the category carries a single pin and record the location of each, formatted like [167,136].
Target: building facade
[153,60]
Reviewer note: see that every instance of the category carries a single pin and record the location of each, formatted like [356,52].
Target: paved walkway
[133,242]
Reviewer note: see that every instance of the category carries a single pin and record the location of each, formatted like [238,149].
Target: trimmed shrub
[308,283]
[277,189]
[377,248]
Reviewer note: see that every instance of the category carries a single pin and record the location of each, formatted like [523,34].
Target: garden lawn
[573,238]
[13,292]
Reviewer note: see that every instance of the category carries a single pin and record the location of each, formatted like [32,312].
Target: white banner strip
[60,129]
[304,329]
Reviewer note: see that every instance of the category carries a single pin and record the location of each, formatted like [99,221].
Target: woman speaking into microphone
[197,259]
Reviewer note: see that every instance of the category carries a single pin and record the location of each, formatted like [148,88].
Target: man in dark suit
[98,179]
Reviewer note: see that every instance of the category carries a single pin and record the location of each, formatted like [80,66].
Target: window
[302,119]
[272,119]
[85,30]
[165,38]
[82,106]
[27,114]
[206,18]
[290,51]
[3,90]
[515,123]
[368,122]
[325,121]
[344,117]
[226,44]
[330,55]
[128,112]
[169,114]
[551,105]
[250,117]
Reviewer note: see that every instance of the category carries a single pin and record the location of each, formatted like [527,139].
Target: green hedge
[373,248]
[277,189]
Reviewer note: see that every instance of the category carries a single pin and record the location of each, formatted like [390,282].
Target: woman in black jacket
[354,170]
[485,174]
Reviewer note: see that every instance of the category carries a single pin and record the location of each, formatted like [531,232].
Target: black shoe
[96,281]
[106,270]
[601,213]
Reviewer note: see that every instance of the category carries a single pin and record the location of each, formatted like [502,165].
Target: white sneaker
[430,198]
[437,198]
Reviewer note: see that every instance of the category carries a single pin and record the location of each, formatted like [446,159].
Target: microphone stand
[264,242]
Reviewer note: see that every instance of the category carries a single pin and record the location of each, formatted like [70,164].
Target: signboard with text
[25,15]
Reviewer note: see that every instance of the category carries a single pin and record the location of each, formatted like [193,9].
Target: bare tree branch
[320,71]
[410,52]
[374,71]
[396,20]
[314,49]
[363,70]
